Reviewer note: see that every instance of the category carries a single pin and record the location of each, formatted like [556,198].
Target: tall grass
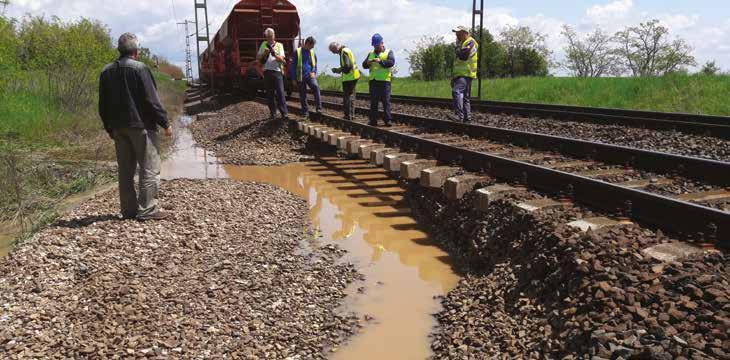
[695,94]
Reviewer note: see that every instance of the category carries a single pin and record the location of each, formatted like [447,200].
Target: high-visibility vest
[377,71]
[299,62]
[279,48]
[354,74]
[468,67]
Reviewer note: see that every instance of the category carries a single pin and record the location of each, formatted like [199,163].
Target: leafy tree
[8,45]
[8,52]
[646,50]
[523,48]
[529,62]
[591,56]
[70,55]
[494,56]
[710,68]
[432,59]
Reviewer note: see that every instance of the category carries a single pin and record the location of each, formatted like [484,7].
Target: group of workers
[380,62]
[132,113]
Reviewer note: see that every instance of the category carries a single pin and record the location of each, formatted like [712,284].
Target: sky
[705,24]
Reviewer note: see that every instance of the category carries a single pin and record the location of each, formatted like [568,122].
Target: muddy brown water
[361,209]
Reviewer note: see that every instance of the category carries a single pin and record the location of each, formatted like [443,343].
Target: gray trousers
[138,147]
[461,91]
[348,98]
[274,81]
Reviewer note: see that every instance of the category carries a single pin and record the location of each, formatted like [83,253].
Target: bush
[68,55]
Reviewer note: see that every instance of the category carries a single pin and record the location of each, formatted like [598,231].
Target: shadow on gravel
[85,221]
[199,101]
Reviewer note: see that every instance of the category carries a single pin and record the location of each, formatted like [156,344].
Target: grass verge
[694,94]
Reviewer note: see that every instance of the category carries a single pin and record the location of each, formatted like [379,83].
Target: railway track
[680,194]
[716,126]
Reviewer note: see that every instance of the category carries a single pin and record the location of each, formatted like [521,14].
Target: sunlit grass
[696,94]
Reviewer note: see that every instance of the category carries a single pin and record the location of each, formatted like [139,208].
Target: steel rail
[717,126]
[666,213]
[706,170]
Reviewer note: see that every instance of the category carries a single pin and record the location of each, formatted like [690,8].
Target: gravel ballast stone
[537,288]
[241,277]
[244,134]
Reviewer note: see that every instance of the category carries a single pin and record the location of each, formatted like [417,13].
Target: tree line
[59,61]
[647,49]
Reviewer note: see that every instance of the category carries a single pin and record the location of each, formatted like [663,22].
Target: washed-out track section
[437,154]
[690,135]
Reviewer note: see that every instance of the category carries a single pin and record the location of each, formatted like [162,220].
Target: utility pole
[203,4]
[188,53]
[478,12]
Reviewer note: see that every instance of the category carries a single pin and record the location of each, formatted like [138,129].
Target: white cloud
[611,11]
[401,22]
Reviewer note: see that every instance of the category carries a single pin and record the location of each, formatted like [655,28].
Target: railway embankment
[552,278]
[243,134]
[538,287]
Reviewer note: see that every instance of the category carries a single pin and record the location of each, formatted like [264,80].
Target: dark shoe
[160,215]
[388,124]
[453,118]
[129,216]
[371,123]
[285,118]
[467,121]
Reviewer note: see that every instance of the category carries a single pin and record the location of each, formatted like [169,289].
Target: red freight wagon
[231,58]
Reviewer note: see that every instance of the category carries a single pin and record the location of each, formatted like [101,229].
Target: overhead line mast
[188,52]
[478,11]
[203,4]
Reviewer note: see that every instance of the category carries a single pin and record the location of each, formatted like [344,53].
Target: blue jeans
[312,84]
[461,91]
[380,92]
[275,92]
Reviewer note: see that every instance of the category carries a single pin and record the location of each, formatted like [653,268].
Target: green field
[695,94]
[30,120]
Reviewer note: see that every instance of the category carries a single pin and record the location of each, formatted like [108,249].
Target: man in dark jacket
[131,112]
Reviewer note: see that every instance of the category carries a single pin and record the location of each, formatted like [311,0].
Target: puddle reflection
[360,208]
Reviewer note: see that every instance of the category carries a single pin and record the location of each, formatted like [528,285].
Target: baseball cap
[461,28]
[377,40]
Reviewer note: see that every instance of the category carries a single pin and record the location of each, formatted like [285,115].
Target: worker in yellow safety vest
[380,62]
[350,76]
[465,71]
[304,74]
[271,55]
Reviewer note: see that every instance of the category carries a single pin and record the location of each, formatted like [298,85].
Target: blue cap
[377,40]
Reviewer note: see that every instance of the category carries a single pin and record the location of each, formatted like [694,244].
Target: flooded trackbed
[361,209]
